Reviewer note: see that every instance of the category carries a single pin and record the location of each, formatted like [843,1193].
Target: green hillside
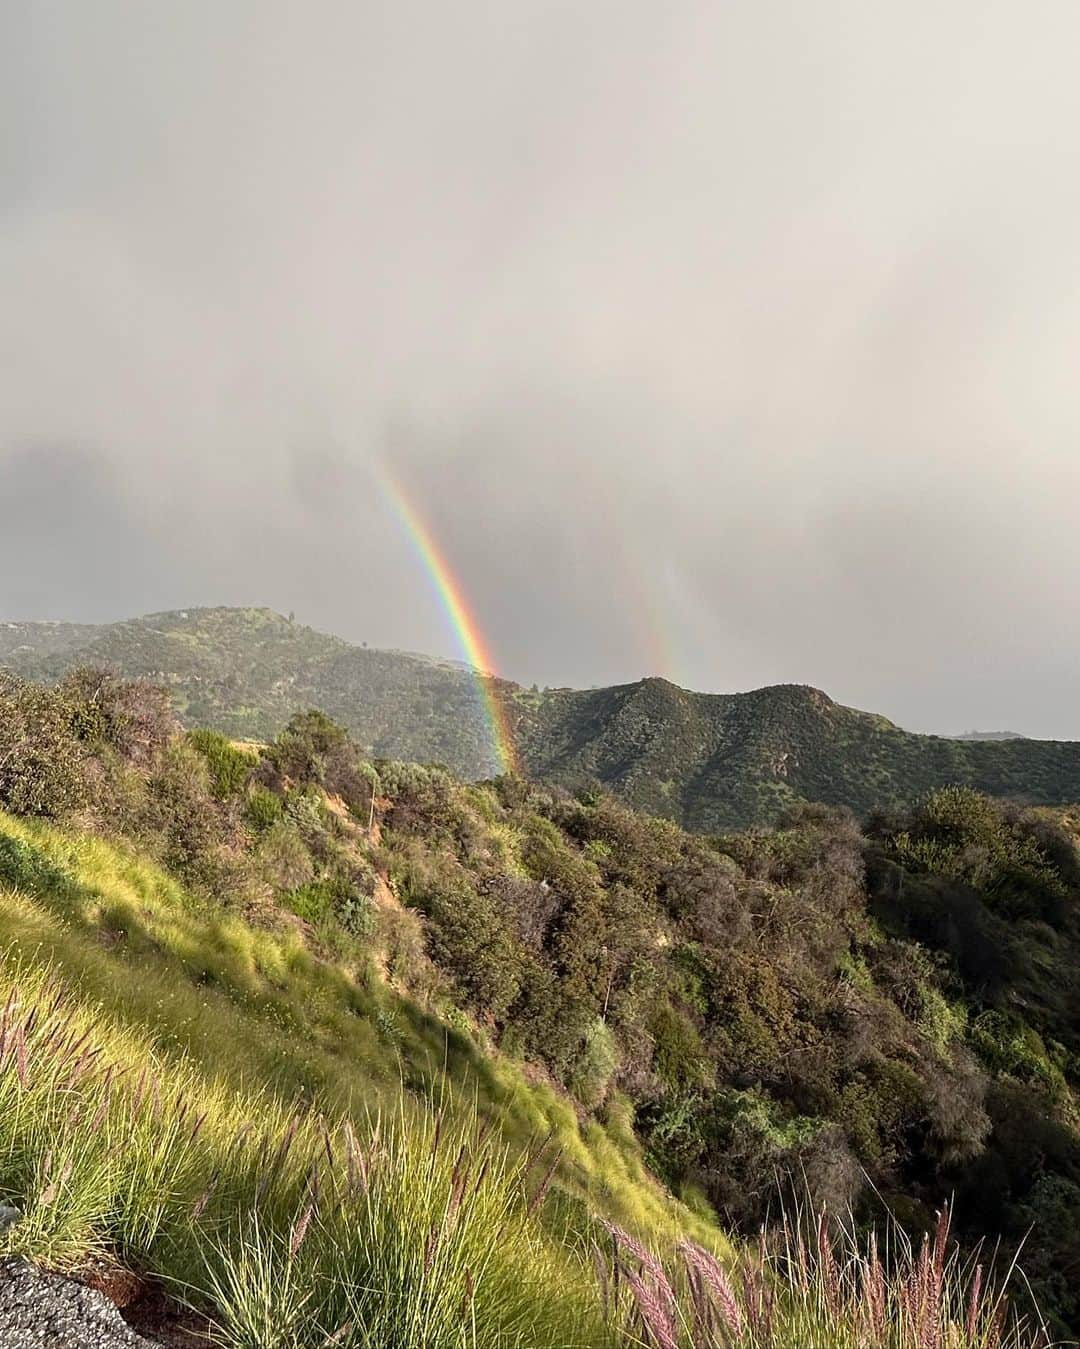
[716,761]
[709,761]
[614,1020]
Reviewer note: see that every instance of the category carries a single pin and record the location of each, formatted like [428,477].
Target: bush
[229,767]
[337,897]
[963,835]
[679,1057]
[468,937]
[283,859]
[592,1069]
[301,749]
[132,716]
[187,812]
[43,761]
[262,808]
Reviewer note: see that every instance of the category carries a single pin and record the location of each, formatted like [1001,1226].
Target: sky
[732,342]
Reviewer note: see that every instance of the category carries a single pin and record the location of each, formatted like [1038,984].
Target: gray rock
[8,1216]
[46,1311]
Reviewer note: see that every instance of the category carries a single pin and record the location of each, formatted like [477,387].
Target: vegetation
[292,1228]
[804,1283]
[708,761]
[324,946]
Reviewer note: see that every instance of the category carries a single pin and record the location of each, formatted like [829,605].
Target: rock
[47,1311]
[8,1216]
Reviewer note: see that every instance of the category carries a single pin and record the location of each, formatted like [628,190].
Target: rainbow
[463,622]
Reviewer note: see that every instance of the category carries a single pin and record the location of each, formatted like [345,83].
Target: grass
[809,1283]
[414,1229]
[298,1230]
[255,1006]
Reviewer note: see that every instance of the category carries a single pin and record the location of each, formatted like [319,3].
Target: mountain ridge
[711,761]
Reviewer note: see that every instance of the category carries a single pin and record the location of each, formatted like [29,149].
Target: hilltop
[709,761]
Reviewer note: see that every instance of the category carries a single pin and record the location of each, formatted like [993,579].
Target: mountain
[716,761]
[990,735]
[709,761]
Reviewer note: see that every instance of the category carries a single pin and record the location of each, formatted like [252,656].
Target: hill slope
[890,1012]
[710,761]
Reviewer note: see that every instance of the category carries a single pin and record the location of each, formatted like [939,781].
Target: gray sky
[737,342]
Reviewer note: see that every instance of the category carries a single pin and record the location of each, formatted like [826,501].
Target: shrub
[42,758]
[592,1069]
[959,833]
[335,896]
[400,933]
[188,815]
[283,859]
[262,808]
[312,902]
[301,749]
[679,1057]
[131,716]
[468,937]
[229,767]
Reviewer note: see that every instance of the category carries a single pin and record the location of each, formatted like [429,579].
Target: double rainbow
[462,620]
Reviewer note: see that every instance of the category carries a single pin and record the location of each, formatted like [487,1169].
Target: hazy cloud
[732,342]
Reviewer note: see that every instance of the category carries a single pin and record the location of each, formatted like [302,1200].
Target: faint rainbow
[645,582]
[462,620]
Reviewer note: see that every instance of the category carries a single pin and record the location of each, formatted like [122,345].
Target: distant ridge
[991,735]
[712,761]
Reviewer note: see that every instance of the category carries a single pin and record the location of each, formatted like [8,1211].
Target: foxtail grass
[815,1285]
[292,1230]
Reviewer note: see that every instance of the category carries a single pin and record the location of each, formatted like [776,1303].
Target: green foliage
[247,672]
[182,797]
[591,1071]
[335,897]
[42,755]
[301,750]
[467,935]
[291,1229]
[25,867]
[262,808]
[679,1057]
[229,766]
[1008,1045]
[802,1009]
[964,836]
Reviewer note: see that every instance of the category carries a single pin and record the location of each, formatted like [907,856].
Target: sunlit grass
[254,1007]
[810,1282]
[414,1228]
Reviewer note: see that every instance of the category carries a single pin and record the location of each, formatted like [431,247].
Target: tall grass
[289,1227]
[815,1285]
[245,1002]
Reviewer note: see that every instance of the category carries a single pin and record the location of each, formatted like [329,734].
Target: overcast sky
[736,342]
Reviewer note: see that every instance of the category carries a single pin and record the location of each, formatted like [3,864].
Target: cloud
[732,342]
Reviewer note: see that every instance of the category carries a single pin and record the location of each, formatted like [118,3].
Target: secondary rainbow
[462,620]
